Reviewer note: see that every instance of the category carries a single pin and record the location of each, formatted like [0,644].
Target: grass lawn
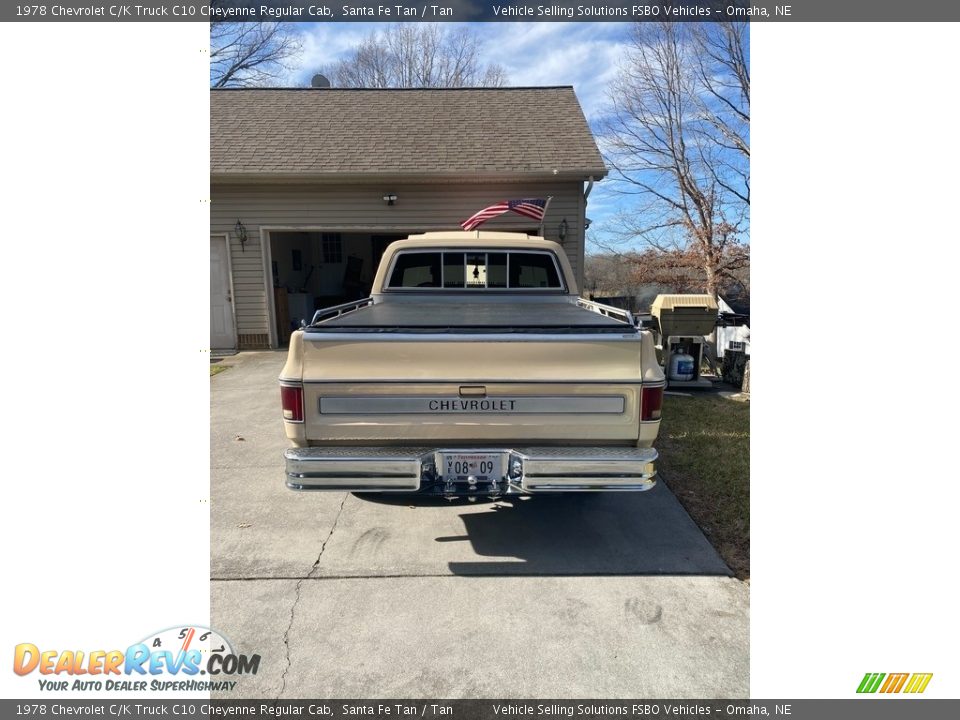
[704,447]
[217,368]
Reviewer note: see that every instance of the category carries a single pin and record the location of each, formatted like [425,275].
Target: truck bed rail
[337,310]
[607,310]
[461,315]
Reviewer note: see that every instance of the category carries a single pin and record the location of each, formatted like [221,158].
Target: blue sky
[584,55]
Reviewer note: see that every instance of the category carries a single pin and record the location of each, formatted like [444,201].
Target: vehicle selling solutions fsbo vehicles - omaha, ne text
[474,368]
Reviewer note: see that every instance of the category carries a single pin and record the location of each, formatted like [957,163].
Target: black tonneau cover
[472,317]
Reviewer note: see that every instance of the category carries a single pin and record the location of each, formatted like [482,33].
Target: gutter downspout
[583,221]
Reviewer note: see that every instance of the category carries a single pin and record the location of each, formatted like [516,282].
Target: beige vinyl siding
[358,208]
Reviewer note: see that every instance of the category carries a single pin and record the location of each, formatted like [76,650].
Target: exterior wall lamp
[241,231]
[562,230]
[390,199]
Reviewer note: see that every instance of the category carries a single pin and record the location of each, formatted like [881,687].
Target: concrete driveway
[585,595]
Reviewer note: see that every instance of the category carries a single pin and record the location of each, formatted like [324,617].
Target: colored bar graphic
[903,679]
[918,682]
[870,682]
[894,682]
[915,683]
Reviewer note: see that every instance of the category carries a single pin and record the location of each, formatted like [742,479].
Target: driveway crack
[296,597]
[323,547]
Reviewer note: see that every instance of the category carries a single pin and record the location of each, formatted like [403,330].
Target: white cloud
[585,55]
[324,44]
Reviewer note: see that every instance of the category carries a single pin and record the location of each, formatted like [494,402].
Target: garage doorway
[313,269]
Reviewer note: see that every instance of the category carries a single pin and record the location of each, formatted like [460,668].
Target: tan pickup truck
[474,368]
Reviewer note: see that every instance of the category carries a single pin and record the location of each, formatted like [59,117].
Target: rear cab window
[476,270]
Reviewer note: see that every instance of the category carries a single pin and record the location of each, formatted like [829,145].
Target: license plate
[486,467]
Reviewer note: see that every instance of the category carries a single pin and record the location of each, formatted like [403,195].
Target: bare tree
[677,137]
[250,54]
[724,73]
[418,55]
[682,270]
[609,274]
[633,273]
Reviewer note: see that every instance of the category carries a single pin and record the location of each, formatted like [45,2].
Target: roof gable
[464,132]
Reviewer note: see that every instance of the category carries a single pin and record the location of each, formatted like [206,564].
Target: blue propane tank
[681,366]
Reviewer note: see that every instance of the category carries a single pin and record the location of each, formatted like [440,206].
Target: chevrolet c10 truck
[474,368]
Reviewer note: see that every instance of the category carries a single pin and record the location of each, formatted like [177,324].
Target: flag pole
[544,218]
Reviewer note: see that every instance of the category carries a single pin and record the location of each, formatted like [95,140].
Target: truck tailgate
[459,387]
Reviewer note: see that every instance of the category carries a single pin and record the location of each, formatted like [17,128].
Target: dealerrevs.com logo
[182,659]
[894,683]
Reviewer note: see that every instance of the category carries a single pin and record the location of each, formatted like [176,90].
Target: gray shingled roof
[462,132]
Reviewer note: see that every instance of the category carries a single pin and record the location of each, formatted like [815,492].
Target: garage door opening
[316,269]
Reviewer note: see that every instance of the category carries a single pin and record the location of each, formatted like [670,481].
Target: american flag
[528,207]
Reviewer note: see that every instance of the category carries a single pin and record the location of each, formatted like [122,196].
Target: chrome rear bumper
[415,469]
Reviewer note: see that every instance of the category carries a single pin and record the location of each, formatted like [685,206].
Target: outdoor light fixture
[562,231]
[390,199]
[241,232]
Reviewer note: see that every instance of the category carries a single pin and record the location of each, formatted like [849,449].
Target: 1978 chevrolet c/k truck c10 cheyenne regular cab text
[474,368]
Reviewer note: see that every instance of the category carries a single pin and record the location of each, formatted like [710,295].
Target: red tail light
[651,400]
[291,398]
